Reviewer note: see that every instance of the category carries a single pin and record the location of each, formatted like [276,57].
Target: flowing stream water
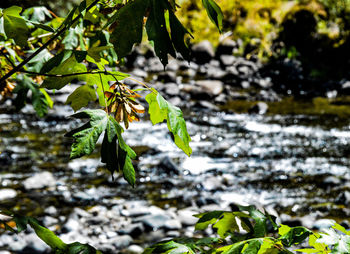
[296,165]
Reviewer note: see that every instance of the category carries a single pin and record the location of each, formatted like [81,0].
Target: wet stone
[39,181]
[6,194]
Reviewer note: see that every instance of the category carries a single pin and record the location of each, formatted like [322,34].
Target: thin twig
[54,37]
[7,58]
[65,75]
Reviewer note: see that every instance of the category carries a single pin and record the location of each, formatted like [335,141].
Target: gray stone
[139,73]
[7,194]
[154,65]
[226,47]
[155,221]
[171,89]
[71,225]
[212,183]
[227,60]
[207,105]
[134,249]
[39,181]
[121,241]
[186,217]
[133,230]
[167,77]
[172,225]
[259,108]
[203,52]
[34,243]
[215,73]
[211,87]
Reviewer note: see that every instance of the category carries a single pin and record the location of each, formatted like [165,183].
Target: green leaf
[39,99]
[260,227]
[128,23]
[95,52]
[117,159]
[233,249]
[170,247]
[81,97]
[205,219]
[227,224]
[42,26]
[15,26]
[157,32]
[85,139]
[37,63]
[178,33]
[21,223]
[159,110]
[129,171]
[37,14]
[47,235]
[253,246]
[79,248]
[294,235]
[56,61]
[69,66]
[214,12]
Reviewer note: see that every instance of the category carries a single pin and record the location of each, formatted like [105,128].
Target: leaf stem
[141,84]
[54,37]
[104,96]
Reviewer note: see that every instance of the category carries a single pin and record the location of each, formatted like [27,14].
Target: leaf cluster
[247,230]
[17,223]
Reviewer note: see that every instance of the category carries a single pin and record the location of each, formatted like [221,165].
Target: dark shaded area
[307,62]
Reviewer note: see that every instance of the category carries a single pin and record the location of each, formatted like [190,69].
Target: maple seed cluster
[121,101]
[6,89]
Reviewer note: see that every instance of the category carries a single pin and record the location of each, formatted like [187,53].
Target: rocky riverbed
[287,154]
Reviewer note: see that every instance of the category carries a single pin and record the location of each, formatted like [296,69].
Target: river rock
[226,47]
[133,249]
[172,224]
[211,87]
[342,199]
[171,89]
[154,65]
[186,217]
[155,221]
[169,166]
[72,225]
[35,244]
[133,230]
[167,77]
[39,181]
[121,241]
[7,194]
[259,108]
[203,52]
[227,60]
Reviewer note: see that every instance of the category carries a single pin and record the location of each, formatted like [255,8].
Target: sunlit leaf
[85,139]
[15,26]
[214,12]
[159,110]
[69,66]
[81,97]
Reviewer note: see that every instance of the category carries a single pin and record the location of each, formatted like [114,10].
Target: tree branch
[66,75]
[25,61]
